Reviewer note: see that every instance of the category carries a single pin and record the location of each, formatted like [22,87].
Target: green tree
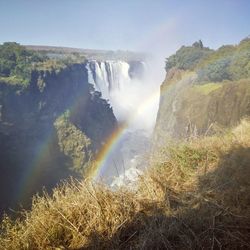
[187,58]
[240,67]
[216,71]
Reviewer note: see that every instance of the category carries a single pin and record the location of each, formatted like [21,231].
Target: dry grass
[198,198]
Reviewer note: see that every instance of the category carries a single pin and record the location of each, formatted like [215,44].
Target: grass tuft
[197,197]
[207,88]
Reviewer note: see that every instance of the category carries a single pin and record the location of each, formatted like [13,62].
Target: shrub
[73,143]
[216,71]
[187,57]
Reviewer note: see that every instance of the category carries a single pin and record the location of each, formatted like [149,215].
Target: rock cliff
[205,95]
[49,130]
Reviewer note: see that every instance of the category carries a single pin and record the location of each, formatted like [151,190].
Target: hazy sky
[159,26]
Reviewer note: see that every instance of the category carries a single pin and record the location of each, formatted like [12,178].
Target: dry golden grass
[198,198]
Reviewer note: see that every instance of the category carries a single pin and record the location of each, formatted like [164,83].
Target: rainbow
[35,169]
[102,157]
[116,137]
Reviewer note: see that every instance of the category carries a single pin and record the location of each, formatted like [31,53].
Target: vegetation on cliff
[17,63]
[187,57]
[73,143]
[204,87]
[195,195]
[227,63]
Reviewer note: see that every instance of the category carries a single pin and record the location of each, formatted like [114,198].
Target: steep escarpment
[204,90]
[49,129]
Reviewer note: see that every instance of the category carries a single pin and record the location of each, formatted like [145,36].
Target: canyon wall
[49,130]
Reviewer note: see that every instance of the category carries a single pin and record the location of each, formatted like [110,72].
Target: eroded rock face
[188,108]
[223,107]
[30,151]
[176,82]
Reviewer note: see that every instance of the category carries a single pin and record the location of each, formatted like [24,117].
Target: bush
[17,61]
[227,63]
[73,143]
[216,71]
[187,57]
[240,66]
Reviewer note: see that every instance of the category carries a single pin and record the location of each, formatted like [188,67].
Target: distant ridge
[95,54]
[63,49]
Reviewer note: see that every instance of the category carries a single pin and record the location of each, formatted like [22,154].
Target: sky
[156,26]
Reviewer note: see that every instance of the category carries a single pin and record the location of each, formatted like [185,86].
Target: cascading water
[127,87]
[108,76]
[112,79]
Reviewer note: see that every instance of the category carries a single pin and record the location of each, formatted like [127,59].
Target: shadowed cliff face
[32,151]
[190,109]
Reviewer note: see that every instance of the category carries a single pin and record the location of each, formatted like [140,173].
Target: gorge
[53,125]
[125,125]
[97,120]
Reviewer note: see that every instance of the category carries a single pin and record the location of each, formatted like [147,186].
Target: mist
[136,103]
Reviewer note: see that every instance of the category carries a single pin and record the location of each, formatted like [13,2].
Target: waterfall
[108,76]
[114,79]
[129,87]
